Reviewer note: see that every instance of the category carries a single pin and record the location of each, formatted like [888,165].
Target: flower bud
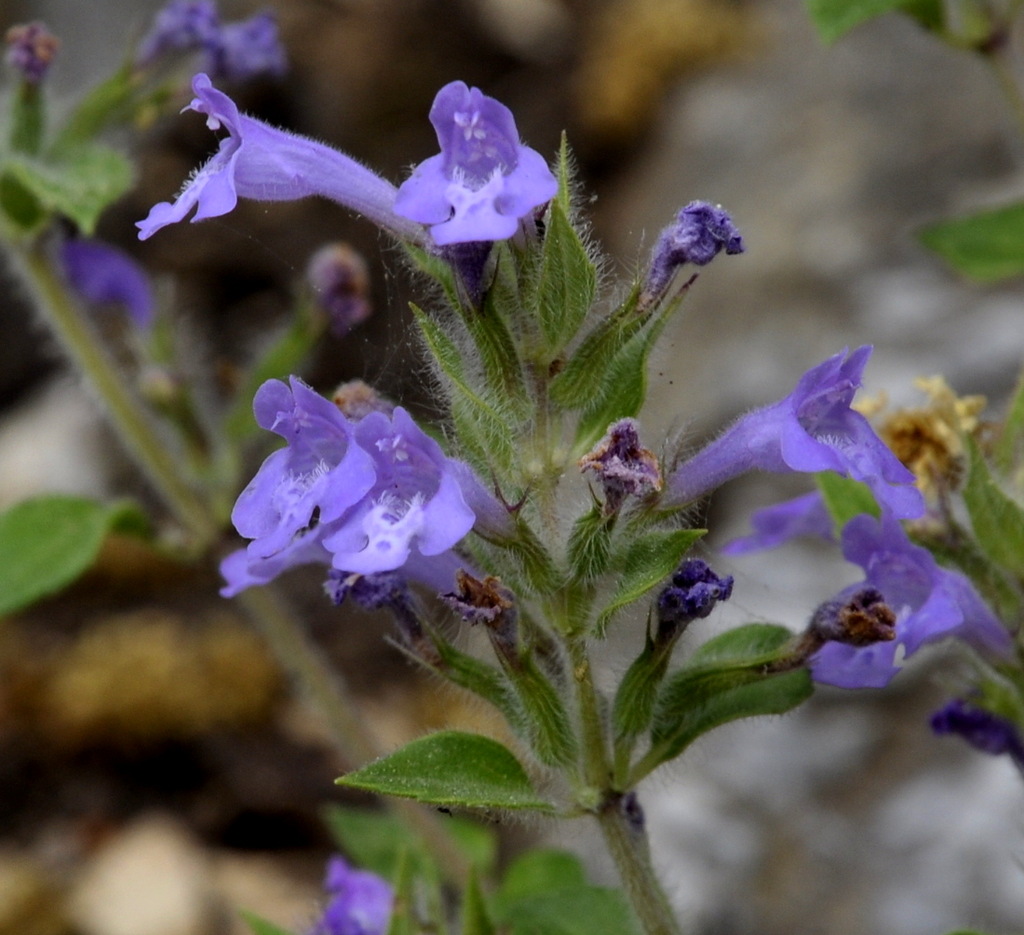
[31,48]
[340,282]
[692,595]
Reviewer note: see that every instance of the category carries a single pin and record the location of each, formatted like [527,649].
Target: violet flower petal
[103,275]
[484,181]
[812,429]
[260,162]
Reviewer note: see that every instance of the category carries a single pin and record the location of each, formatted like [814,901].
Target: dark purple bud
[31,48]
[700,232]
[624,467]
[338,276]
[858,619]
[692,595]
[469,260]
[982,729]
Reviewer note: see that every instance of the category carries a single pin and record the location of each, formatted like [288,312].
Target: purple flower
[340,282]
[258,161]
[103,275]
[483,181]
[775,525]
[369,496]
[930,602]
[415,503]
[700,232]
[248,48]
[812,429]
[180,26]
[982,729]
[360,902]
[31,49]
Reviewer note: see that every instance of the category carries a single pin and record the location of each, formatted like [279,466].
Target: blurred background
[155,773]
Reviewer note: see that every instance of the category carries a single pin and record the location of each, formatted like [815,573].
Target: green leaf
[476,919]
[47,542]
[637,692]
[404,917]
[987,246]
[260,926]
[451,768]
[997,519]
[108,102]
[845,497]
[582,376]
[538,873]
[545,891]
[490,332]
[833,18]
[568,281]
[590,545]
[483,425]
[376,840]
[646,563]
[547,722]
[79,187]
[1010,445]
[725,680]
[573,910]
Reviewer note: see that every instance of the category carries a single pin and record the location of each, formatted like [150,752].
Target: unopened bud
[31,48]
[692,595]
[338,276]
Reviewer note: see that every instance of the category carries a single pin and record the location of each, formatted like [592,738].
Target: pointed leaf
[648,561]
[987,246]
[1010,446]
[997,519]
[568,281]
[451,768]
[638,690]
[48,542]
[404,917]
[590,545]
[725,680]
[547,722]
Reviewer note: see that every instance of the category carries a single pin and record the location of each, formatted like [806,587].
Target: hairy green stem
[126,413]
[626,839]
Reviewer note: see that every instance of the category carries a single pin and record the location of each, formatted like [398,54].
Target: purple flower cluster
[235,51]
[479,188]
[812,429]
[360,902]
[369,496]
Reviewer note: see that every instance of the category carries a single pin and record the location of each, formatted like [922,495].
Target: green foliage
[638,690]
[376,841]
[646,562]
[833,18]
[726,679]
[476,918]
[546,891]
[987,246]
[79,187]
[404,917]
[997,519]
[550,730]
[1010,445]
[590,545]
[845,497]
[451,768]
[568,281]
[47,542]
[261,926]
